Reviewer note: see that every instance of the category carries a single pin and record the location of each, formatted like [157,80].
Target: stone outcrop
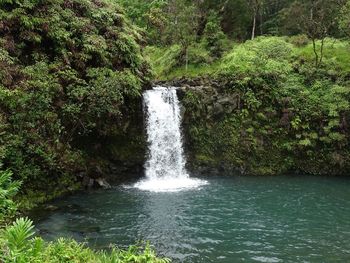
[212,103]
[119,156]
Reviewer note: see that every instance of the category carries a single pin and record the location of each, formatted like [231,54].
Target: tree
[270,19]
[155,21]
[256,7]
[344,19]
[234,15]
[182,19]
[317,19]
[213,35]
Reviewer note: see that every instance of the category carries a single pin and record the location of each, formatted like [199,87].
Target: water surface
[232,219]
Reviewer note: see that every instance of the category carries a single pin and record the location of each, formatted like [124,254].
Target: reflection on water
[164,215]
[240,219]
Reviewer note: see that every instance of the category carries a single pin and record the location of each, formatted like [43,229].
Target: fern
[8,189]
[17,245]
[18,234]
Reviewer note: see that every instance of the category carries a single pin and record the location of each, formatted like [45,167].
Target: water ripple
[284,219]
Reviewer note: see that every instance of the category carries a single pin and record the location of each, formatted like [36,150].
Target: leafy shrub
[8,189]
[197,55]
[266,57]
[67,69]
[214,38]
[164,62]
[344,19]
[288,114]
[299,40]
[18,245]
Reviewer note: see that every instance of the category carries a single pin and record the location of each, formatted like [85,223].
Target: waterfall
[165,167]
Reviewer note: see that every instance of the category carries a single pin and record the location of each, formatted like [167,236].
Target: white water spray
[165,167]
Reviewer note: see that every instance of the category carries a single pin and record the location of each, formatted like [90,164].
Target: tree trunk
[186,59]
[321,52]
[254,26]
[256,7]
[261,18]
[315,51]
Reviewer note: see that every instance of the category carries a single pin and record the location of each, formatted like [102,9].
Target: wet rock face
[211,103]
[255,130]
[126,149]
[119,156]
[205,103]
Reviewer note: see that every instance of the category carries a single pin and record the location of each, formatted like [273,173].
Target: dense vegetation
[67,69]
[273,96]
[271,104]
[18,245]
[286,115]
[207,23]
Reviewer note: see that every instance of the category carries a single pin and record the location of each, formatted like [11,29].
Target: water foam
[165,167]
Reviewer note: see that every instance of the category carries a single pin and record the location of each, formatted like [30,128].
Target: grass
[167,63]
[166,66]
[336,51]
[192,71]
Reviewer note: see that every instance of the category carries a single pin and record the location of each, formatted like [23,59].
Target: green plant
[67,70]
[262,58]
[164,60]
[299,40]
[8,189]
[197,55]
[344,18]
[16,236]
[18,246]
[288,115]
[214,38]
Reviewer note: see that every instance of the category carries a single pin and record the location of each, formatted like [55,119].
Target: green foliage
[261,57]
[344,19]
[336,57]
[17,246]
[196,55]
[149,16]
[166,60]
[299,40]
[214,38]
[288,115]
[8,189]
[165,22]
[318,20]
[277,56]
[182,20]
[163,59]
[67,69]
[17,235]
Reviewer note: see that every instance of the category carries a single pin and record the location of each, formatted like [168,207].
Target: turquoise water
[232,219]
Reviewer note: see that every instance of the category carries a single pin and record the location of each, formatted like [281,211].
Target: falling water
[165,167]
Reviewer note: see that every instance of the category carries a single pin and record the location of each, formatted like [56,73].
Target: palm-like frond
[8,188]
[17,235]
